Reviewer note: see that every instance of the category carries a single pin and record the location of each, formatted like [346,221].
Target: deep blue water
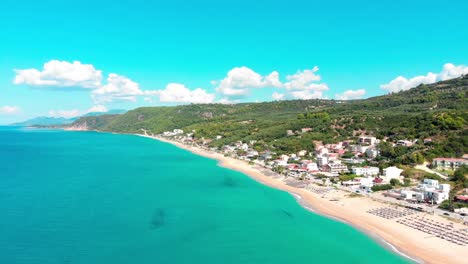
[85,197]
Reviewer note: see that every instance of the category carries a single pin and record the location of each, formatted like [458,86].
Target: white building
[366,171]
[367,140]
[322,151]
[309,165]
[432,192]
[372,153]
[280,162]
[335,168]
[252,153]
[322,160]
[367,184]
[362,149]
[448,163]
[391,173]
[178,131]
[405,143]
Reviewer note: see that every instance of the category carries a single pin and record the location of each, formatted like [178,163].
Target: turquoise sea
[85,197]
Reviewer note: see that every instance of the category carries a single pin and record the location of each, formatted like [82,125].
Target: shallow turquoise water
[85,197]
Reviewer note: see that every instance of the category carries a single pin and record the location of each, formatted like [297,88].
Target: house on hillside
[364,140]
[448,163]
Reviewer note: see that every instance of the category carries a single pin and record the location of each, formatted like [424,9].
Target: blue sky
[142,53]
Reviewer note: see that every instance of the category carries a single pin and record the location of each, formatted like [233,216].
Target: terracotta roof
[462,197]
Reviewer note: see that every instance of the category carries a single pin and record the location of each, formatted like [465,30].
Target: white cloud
[117,88]
[351,94]
[97,109]
[240,80]
[122,88]
[449,71]
[148,99]
[305,80]
[9,110]
[277,96]
[178,93]
[65,113]
[60,74]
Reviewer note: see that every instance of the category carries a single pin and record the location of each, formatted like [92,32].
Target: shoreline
[307,205]
[410,244]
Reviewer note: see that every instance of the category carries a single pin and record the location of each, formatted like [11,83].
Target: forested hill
[437,111]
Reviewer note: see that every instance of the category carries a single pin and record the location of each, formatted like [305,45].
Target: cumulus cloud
[305,80]
[351,94]
[61,74]
[117,88]
[240,80]
[277,96]
[178,93]
[122,88]
[449,71]
[65,113]
[9,110]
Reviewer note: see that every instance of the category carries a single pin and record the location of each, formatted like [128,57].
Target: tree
[460,176]
[395,182]
[406,182]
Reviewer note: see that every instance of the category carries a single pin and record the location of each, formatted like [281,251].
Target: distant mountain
[110,112]
[49,121]
[46,121]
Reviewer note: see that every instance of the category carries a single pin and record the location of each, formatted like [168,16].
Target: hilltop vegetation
[437,112]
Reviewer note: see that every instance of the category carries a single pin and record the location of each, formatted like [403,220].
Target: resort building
[335,168]
[448,163]
[431,191]
[366,171]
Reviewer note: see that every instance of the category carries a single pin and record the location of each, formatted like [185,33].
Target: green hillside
[437,111]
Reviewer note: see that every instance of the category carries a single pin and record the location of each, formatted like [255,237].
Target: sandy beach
[414,244]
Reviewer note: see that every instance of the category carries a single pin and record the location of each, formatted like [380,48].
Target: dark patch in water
[196,233]
[229,182]
[288,214]
[158,219]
